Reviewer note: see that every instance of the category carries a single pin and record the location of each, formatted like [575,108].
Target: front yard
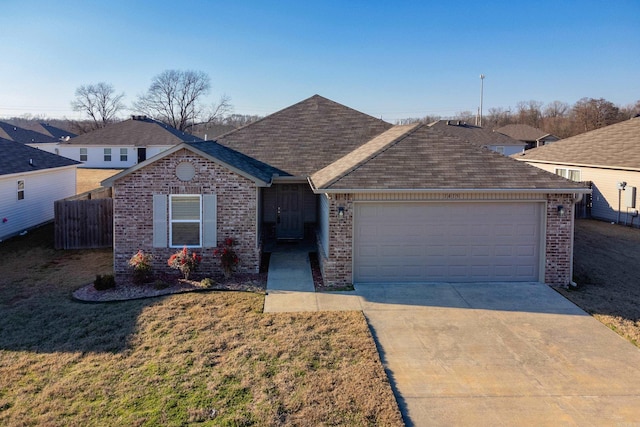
[212,358]
[607,271]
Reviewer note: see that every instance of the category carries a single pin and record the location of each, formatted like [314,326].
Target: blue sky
[388,59]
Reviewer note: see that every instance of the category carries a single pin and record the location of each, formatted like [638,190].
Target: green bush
[105,282]
[207,282]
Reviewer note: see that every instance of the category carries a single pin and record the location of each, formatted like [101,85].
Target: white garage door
[448,242]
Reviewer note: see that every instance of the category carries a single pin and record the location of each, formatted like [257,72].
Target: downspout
[576,199]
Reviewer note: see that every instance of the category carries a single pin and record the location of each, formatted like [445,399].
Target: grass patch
[90,179]
[212,358]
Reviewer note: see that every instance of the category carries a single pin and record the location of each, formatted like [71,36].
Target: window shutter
[159,221]
[209,221]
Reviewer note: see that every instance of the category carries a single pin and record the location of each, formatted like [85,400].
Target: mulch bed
[256,283]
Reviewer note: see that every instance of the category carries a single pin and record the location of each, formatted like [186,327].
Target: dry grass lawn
[209,358]
[607,271]
[89,179]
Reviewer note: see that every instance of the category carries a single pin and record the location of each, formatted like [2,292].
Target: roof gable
[523,132]
[613,146]
[250,168]
[306,136]
[474,134]
[139,132]
[19,158]
[426,159]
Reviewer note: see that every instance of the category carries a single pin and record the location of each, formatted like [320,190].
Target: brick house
[385,203]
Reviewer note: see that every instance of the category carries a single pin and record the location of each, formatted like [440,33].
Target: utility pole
[481,96]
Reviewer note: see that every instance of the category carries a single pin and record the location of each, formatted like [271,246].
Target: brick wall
[337,267]
[559,240]
[133,212]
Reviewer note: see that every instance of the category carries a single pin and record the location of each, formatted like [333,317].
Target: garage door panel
[466,242]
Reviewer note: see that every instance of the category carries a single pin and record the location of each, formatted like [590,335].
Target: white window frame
[567,172]
[107,154]
[124,155]
[500,149]
[20,189]
[84,155]
[176,221]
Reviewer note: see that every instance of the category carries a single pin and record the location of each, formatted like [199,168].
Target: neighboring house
[494,141]
[533,137]
[122,144]
[386,203]
[607,157]
[31,180]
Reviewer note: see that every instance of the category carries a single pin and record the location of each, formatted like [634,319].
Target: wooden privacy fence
[84,221]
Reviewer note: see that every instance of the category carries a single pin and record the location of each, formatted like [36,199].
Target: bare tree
[175,97]
[99,102]
[590,114]
[529,112]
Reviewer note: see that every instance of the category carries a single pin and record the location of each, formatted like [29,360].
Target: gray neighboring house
[25,136]
[494,141]
[530,135]
[607,157]
[120,145]
[385,203]
[31,180]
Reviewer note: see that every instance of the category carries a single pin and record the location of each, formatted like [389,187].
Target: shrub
[207,283]
[141,265]
[185,261]
[102,283]
[228,257]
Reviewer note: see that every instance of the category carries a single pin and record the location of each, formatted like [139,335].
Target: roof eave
[584,165]
[577,190]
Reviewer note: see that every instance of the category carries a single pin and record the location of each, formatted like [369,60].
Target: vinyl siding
[42,189]
[605,190]
[95,155]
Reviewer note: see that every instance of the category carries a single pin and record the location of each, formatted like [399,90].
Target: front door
[289,222]
[142,154]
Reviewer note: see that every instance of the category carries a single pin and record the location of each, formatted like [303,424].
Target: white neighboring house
[31,180]
[494,141]
[120,145]
[609,157]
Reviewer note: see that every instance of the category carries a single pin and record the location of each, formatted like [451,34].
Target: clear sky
[390,59]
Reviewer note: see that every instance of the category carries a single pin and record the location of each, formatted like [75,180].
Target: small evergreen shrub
[102,283]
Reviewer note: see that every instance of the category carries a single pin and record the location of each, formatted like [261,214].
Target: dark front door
[289,222]
[142,155]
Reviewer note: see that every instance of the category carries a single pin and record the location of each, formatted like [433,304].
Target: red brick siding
[559,240]
[133,212]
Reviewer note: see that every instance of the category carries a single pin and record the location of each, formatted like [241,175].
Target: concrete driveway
[500,354]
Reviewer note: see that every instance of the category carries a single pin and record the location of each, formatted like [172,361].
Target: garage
[447,241]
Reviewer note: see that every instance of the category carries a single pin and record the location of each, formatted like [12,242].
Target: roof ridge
[361,155]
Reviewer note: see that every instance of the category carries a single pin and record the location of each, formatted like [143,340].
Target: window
[500,149]
[185,219]
[107,154]
[83,154]
[20,189]
[572,174]
[123,155]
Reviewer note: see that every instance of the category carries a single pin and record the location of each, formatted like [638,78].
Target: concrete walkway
[482,354]
[290,287]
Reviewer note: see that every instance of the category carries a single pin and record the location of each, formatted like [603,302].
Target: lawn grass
[208,358]
[89,179]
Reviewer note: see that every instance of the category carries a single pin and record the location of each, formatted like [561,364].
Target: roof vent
[448,122]
[139,117]
[30,162]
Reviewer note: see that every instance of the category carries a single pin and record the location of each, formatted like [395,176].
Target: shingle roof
[522,132]
[306,136]
[248,165]
[18,158]
[474,134]
[57,132]
[138,132]
[614,146]
[426,159]
[25,136]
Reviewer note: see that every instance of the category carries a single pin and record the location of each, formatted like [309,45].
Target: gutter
[584,165]
[453,190]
